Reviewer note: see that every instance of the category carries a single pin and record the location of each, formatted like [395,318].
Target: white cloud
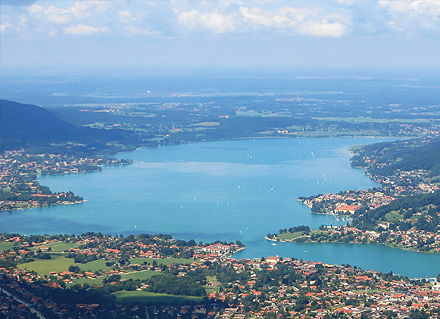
[425,7]
[34,9]
[227,3]
[323,29]
[189,19]
[298,20]
[413,16]
[82,29]
[329,18]
[124,14]
[215,21]
[289,16]
[256,16]
[127,17]
[81,9]
[3,27]
[59,15]
[218,22]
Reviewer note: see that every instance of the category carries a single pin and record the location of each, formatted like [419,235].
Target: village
[260,288]
[413,239]
[19,188]
[346,203]
[402,213]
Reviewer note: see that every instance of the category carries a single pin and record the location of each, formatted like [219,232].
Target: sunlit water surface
[223,190]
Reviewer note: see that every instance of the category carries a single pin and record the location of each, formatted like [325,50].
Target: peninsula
[403,213]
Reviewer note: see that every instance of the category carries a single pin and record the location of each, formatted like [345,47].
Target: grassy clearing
[59,247]
[211,279]
[139,275]
[288,236]
[144,296]
[101,264]
[45,266]
[211,289]
[393,217]
[96,265]
[6,246]
[59,263]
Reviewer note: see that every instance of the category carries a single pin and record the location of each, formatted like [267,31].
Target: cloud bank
[332,18]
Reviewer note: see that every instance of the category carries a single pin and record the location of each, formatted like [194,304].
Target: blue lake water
[226,190]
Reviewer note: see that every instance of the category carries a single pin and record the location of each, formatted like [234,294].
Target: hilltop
[22,125]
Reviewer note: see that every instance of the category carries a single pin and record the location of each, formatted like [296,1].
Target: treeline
[295,229]
[404,155]
[53,199]
[189,285]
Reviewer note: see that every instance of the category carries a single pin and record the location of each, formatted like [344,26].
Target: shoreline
[42,206]
[351,243]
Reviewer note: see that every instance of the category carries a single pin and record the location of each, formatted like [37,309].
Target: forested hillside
[23,125]
[404,155]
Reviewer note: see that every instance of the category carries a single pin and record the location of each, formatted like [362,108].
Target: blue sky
[253,34]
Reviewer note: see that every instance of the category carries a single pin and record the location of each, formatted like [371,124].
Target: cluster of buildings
[19,187]
[236,289]
[395,182]
[418,130]
[412,239]
[346,203]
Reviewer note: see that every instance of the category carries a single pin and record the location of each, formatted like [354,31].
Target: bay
[222,190]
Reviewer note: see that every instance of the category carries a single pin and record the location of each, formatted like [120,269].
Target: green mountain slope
[24,124]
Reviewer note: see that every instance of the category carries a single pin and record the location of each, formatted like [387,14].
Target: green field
[211,279]
[60,247]
[45,266]
[288,236]
[393,217]
[211,289]
[59,263]
[6,246]
[139,275]
[96,265]
[144,296]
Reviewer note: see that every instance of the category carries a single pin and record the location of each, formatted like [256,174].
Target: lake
[222,190]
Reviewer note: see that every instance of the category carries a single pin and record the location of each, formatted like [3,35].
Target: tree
[74,269]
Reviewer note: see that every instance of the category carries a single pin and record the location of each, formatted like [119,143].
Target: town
[142,266]
[403,213]
[156,276]
[19,187]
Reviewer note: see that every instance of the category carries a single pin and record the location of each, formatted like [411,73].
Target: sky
[254,34]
